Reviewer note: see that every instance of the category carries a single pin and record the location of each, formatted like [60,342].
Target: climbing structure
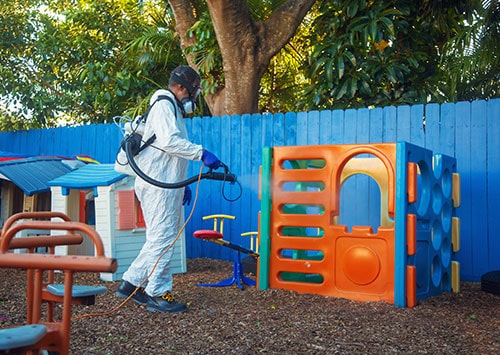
[408,256]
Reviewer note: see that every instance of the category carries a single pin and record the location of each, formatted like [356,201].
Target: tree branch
[233,25]
[282,25]
[185,18]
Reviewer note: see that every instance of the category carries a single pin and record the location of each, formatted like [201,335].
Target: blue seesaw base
[238,278]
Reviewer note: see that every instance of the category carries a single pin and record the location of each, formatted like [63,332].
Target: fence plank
[447,131]
[290,128]
[403,124]
[350,126]
[245,175]
[325,127]
[313,125]
[479,191]
[232,191]
[464,212]
[432,126]
[302,138]
[363,126]
[338,127]
[256,159]
[417,134]
[390,124]
[278,130]
[493,187]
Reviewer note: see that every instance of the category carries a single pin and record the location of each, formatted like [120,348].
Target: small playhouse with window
[97,195]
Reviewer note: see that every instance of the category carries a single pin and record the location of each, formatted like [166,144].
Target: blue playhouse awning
[33,174]
[88,177]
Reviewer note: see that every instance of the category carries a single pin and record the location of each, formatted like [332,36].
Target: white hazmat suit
[162,208]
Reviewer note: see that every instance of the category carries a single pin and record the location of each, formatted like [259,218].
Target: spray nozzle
[225,176]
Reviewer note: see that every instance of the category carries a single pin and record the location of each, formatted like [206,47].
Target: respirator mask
[188,78]
[189,104]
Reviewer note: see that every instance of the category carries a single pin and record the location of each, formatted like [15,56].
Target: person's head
[185,84]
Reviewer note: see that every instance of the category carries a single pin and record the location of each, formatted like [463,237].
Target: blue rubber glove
[210,160]
[186,200]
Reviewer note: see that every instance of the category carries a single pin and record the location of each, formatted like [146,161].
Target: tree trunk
[246,47]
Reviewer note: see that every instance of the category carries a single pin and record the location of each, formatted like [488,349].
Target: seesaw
[216,236]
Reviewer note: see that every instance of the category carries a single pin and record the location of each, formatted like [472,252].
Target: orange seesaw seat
[51,335]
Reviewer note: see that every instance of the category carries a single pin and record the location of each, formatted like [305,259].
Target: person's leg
[162,214]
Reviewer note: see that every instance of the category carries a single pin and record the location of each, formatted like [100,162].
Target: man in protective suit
[166,160]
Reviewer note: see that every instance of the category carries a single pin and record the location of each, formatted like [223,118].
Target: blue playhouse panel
[434,228]
[408,153]
[444,212]
[434,212]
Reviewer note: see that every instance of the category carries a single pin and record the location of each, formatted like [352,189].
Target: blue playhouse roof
[33,174]
[88,177]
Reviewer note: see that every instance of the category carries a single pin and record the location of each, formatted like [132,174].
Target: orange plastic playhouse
[408,254]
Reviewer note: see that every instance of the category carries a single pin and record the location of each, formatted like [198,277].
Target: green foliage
[63,60]
[76,61]
[472,58]
[378,53]
[284,80]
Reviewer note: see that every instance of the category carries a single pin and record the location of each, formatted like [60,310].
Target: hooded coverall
[162,208]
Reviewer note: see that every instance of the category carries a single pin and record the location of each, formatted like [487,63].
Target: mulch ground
[230,320]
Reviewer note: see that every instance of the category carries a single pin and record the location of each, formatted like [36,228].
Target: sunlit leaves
[67,61]
[472,58]
[376,53]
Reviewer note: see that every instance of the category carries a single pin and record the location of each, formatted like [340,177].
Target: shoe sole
[124,296]
[155,310]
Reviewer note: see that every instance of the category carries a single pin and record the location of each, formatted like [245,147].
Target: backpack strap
[159,98]
[153,137]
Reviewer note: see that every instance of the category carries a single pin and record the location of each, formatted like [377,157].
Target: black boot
[126,289]
[165,304]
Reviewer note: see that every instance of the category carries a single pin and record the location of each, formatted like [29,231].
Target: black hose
[226,176]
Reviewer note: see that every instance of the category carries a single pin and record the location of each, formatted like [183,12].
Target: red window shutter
[126,209]
[140,217]
[82,213]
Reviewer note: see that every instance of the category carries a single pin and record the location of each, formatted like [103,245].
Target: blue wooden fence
[469,131]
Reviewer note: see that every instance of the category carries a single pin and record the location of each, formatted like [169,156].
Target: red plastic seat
[208,234]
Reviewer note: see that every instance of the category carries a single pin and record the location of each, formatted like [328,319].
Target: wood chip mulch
[229,320]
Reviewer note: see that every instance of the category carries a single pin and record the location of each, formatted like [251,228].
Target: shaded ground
[229,320]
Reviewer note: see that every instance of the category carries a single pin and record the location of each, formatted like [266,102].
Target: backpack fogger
[133,143]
